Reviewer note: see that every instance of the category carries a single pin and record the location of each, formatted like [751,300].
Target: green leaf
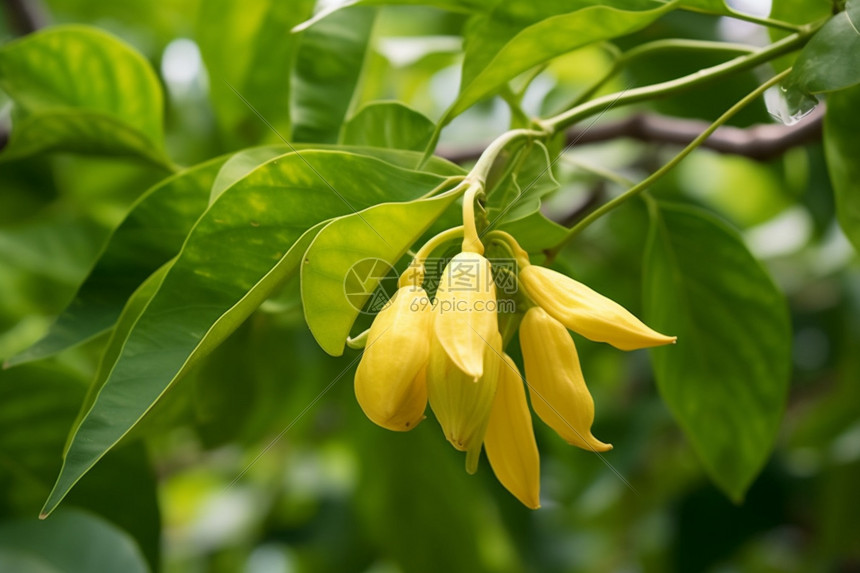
[831,59]
[390,125]
[71,542]
[497,50]
[841,126]
[81,90]
[519,193]
[247,160]
[328,65]
[150,235]
[246,44]
[383,232]
[727,378]
[247,243]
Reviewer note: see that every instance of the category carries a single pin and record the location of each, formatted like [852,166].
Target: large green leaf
[79,89]
[831,59]
[498,49]
[390,125]
[246,244]
[70,542]
[246,44]
[727,378]
[382,232]
[841,129]
[327,69]
[150,235]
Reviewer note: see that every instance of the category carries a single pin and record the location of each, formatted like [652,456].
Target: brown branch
[760,142]
[25,16]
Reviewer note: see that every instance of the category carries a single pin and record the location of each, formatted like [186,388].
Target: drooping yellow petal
[558,392]
[586,312]
[390,382]
[466,311]
[510,439]
[461,404]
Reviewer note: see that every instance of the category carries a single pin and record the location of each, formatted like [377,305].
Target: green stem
[657,46]
[762,21]
[488,157]
[518,116]
[671,87]
[458,179]
[651,179]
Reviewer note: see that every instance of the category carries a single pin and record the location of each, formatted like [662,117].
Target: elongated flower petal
[461,404]
[510,439]
[558,392]
[390,381]
[466,311]
[586,312]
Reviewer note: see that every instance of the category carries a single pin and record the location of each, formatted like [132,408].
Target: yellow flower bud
[558,392]
[390,383]
[461,403]
[586,312]
[466,311]
[510,440]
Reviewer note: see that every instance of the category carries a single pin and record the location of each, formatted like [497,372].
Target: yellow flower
[466,305]
[586,312]
[462,404]
[558,392]
[510,440]
[390,381]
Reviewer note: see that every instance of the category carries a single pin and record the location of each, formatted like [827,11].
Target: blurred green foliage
[258,459]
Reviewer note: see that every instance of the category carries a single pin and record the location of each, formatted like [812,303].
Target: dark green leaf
[247,45]
[841,128]
[390,125]
[149,236]
[831,59]
[726,379]
[382,232]
[71,542]
[259,228]
[328,66]
[79,89]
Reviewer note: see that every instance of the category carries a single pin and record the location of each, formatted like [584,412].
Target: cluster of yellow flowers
[451,354]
